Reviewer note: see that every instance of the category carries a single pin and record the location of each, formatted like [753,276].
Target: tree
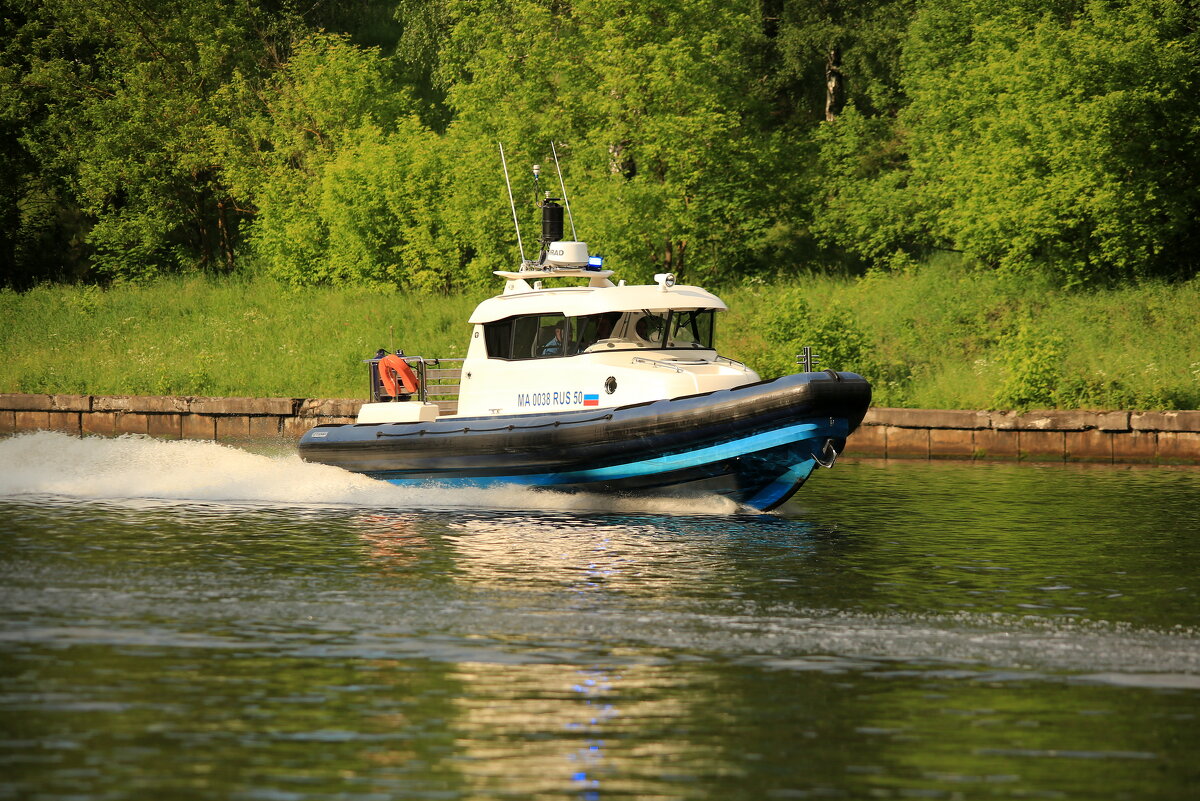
[837,51]
[344,177]
[1061,137]
[657,107]
[118,96]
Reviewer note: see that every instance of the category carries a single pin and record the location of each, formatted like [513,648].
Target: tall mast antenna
[511,203]
[570,216]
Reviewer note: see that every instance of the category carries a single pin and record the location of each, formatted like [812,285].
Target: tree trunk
[673,257]
[835,84]
[226,241]
[620,162]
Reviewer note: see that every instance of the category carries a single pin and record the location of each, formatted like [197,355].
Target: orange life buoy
[391,368]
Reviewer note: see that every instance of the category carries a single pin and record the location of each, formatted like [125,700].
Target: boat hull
[756,443]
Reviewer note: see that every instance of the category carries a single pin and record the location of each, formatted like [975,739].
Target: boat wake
[134,467]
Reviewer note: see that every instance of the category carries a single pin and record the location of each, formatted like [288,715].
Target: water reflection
[596,689]
[393,542]
[634,555]
[545,729]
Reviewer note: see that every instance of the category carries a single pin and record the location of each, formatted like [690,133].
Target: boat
[574,382]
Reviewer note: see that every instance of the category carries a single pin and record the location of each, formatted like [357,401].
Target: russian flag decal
[591,400]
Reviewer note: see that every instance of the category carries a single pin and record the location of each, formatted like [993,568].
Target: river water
[189,620]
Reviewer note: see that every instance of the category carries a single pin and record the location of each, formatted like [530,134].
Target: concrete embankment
[1128,436]
[1052,435]
[172,416]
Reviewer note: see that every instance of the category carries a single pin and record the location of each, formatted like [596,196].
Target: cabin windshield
[552,335]
[691,329]
[664,330]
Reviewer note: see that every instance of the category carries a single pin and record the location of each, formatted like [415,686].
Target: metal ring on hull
[829,452]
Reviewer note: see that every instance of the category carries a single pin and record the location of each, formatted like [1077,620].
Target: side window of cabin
[498,338]
[535,336]
[525,337]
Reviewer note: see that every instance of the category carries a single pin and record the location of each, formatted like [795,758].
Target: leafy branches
[338,143]
[1041,137]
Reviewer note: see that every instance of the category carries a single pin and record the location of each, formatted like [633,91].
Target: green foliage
[830,331]
[790,319]
[866,36]
[216,336]
[940,337]
[867,205]
[346,179]
[1034,369]
[1042,368]
[115,101]
[356,143]
[654,112]
[1048,137]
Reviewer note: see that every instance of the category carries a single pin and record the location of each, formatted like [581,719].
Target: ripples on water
[184,619]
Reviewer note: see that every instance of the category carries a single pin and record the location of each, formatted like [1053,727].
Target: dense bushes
[346,178]
[1054,137]
[942,337]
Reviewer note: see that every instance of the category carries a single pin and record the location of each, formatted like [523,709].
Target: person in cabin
[554,346]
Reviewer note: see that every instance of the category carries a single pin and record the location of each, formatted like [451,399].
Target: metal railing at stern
[438,381]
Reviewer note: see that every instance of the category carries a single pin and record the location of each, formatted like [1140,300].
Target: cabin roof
[577,301]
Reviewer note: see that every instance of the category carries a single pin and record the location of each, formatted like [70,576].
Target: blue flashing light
[595,262]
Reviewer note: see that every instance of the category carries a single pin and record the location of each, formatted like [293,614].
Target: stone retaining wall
[172,416]
[1154,437]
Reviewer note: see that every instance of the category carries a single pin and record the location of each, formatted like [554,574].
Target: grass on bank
[935,337]
[205,336]
[942,337]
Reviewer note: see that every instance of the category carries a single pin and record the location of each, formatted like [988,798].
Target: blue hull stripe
[663,464]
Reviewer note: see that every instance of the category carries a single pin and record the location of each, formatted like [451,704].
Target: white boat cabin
[537,349]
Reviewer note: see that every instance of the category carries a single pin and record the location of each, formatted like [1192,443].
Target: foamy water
[140,467]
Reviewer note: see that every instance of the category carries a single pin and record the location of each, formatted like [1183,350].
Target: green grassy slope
[938,337]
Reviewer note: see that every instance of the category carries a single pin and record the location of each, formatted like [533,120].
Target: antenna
[512,204]
[570,216]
